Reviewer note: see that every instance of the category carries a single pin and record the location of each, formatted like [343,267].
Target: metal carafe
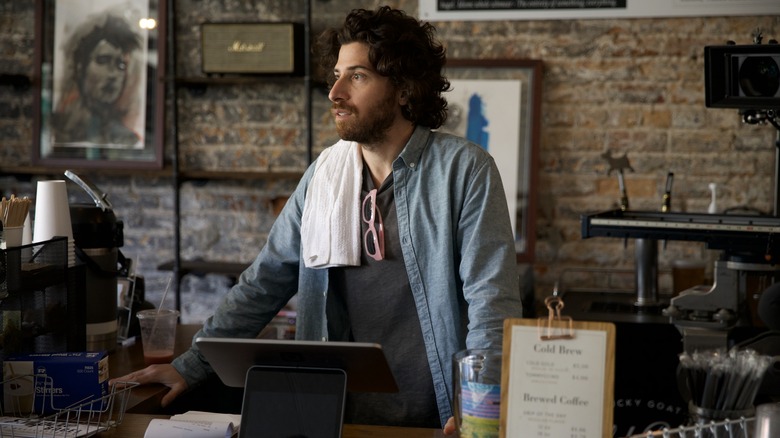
[98,235]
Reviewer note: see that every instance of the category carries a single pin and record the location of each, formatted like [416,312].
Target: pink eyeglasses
[373,240]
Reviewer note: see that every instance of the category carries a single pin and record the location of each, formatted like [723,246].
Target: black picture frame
[100,69]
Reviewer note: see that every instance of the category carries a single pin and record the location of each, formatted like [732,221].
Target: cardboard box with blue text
[45,383]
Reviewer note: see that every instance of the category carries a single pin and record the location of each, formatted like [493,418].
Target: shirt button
[411,164]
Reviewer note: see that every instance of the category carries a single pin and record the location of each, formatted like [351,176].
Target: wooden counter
[134,426]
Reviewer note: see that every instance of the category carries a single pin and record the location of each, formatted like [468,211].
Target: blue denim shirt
[457,245]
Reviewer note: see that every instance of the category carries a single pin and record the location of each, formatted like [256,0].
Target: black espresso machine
[742,293]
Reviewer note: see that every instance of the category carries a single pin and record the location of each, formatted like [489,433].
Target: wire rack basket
[82,419]
[740,428]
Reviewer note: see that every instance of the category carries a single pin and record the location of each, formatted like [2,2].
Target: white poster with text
[556,387]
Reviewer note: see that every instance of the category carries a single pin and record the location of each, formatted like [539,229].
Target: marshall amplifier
[253,48]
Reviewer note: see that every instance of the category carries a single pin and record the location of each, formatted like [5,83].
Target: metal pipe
[646,259]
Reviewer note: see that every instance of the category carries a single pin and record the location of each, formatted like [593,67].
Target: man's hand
[164,374]
[449,428]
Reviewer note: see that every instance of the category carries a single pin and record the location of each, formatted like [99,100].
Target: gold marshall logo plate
[239,46]
[252,48]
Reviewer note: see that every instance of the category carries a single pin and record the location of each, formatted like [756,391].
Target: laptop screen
[289,402]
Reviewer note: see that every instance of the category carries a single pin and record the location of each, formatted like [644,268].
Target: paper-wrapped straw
[721,381]
[13,211]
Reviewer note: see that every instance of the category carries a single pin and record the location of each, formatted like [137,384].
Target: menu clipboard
[558,377]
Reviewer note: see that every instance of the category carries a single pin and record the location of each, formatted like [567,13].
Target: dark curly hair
[116,31]
[401,48]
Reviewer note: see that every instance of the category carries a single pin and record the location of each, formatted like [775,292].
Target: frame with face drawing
[495,103]
[99,69]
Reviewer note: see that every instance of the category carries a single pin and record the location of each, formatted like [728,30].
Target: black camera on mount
[742,76]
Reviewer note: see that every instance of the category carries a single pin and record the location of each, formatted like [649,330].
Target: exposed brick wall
[632,86]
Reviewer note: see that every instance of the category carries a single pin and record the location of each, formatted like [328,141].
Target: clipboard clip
[555,326]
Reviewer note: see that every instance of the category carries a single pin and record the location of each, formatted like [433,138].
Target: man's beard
[373,128]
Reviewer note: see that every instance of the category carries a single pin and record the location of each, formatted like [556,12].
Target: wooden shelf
[230,269]
[229,79]
[166,172]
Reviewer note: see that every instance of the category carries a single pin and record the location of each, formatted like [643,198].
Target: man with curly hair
[397,234]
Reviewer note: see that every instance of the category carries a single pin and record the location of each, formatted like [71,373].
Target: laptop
[283,402]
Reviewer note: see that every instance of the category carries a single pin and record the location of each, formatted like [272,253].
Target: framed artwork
[100,70]
[495,103]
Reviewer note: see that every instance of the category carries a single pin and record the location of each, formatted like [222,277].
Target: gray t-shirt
[381,309]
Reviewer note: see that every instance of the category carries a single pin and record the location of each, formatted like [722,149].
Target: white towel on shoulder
[330,225]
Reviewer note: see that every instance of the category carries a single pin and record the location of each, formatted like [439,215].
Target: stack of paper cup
[27,231]
[52,215]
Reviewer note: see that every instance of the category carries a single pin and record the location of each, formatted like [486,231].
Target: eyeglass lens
[373,239]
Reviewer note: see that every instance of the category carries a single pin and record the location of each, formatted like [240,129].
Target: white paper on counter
[209,416]
[194,424]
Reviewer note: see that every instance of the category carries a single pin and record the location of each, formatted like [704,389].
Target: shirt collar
[413,150]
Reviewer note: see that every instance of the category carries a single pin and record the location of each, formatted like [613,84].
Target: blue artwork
[477,122]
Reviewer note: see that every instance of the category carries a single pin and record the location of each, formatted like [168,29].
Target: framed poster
[495,103]
[100,69]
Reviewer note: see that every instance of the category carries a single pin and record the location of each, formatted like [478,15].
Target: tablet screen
[288,402]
